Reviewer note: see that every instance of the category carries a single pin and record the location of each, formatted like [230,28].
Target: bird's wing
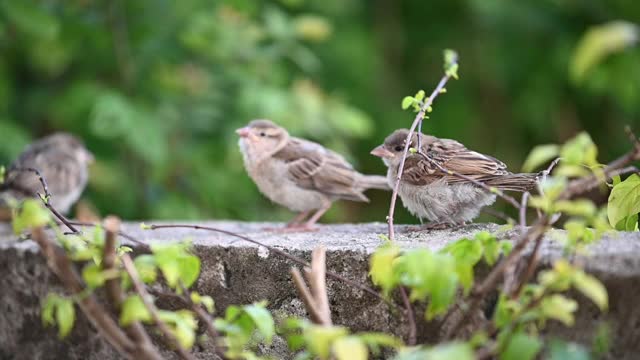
[453,156]
[312,166]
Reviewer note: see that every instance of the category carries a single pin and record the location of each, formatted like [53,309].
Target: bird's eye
[398,148]
[263,134]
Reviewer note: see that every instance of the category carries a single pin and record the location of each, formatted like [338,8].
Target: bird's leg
[309,224]
[295,222]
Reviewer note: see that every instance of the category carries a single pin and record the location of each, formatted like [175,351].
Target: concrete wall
[237,272]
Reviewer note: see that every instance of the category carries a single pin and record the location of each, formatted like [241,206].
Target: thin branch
[305,295]
[315,300]
[277,251]
[46,199]
[153,310]
[114,291]
[416,122]
[523,210]
[410,317]
[60,264]
[205,318]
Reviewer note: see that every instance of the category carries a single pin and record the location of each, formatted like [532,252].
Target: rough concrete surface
[238,272]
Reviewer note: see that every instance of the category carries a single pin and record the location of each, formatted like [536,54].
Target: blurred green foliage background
[155,88]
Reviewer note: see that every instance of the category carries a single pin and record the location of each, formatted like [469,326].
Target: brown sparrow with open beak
[446,199]
[63,162]
[300,175]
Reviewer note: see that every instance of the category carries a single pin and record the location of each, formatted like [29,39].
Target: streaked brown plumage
[63,162]
[299,174]
[444,198]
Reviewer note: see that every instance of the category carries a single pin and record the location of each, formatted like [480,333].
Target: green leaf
[561,350]
[320,338]
[65,316]
[540,155]
[262,319]
[579,207]
[559,307]
[407,102]
[466,253]
[207,301]
[49,308]
[30,214]
[93,276]
[420,95]
[429,274]
[521,347]
[146,267]
[624,200]
[176,263]
[381,267]
[598,43]
[31,19]
[591,288]
[133,309]
[350,348]
[579,150]
[450,351]
[189,269]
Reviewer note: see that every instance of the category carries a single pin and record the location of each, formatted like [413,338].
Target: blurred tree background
[156,88]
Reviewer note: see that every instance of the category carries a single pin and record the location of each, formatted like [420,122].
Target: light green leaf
[189,269]
[320,338]
[540,155]
[93,276]
[262,319]
[598,43]
[350,348]
[579,150]
[624,200]
[65,316]
[146,266]
[407,102]
[31,214]
[381,267]
[450,351]
[48,309]
[559,307]
[133,309]
[521,347]
[591,288]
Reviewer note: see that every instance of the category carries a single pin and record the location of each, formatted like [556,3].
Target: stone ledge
[238,272]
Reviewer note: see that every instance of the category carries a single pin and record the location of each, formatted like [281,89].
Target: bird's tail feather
[373,182]
[515,182]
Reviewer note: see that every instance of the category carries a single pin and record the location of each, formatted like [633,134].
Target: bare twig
[60,264]
[277,251]
[135,330]
[411,341]
[153,310]
[206,319]
[418,119]
[523,210]
[46,199]
[315,300]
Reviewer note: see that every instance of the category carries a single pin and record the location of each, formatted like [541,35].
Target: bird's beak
[381,152]
[243,132]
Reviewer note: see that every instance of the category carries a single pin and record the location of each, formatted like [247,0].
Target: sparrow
[63,162]
[300,175]
[442,198]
